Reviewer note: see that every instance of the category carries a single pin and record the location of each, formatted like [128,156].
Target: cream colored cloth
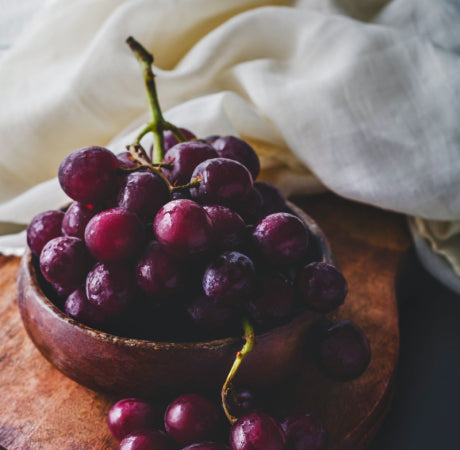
[363,93]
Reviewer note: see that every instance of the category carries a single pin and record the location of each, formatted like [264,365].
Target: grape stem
[157,124]
[193,184]
[250,341]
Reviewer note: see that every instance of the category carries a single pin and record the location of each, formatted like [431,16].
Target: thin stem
[194,183]
[250,340]
[176,131]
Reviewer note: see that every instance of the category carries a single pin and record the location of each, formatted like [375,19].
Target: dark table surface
[425,410]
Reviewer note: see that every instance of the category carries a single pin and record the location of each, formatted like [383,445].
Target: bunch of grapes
[184,244]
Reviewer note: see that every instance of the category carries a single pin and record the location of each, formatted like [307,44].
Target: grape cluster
[192,421]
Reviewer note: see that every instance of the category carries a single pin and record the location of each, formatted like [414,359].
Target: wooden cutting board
[42,409]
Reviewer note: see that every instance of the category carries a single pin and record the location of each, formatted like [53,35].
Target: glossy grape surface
[170,140]
[75,220]
[229,227]
[207,446]
[79,308]
[304,431]
[42,228]
[146,440]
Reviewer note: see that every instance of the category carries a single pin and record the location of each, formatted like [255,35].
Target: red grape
[42,228]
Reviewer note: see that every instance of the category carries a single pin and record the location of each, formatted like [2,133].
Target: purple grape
[143,193]
[126,161]
[79,308]
[114,235]
[111,288]
[183,228]
[42,228]
[241,402]
[274,304]
[130,415]
[304,432]
[192,418]
[89,175]
[146,440]
[257,431]
[282,238]
[250,207]
[323,287]
[211,139]
[207,446]
[65,261]
[211,316]
[235,148]
[75,220]
[170,140]
[181,194]
[185,157]
[273,200]
[229,227]
[222,181]
[230,278]
[157,274]
[344,352]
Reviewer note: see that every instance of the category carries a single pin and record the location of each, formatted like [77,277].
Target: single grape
[42,228]
[344,352]
[282,238]
[111,288]
[65,261]
[183,228]
[170,140]
[132,414]
[322,285]
[76,218]
[185,157]
[235,148]
[146,440]
[211,317]
[207,446]
[79,308]
[257,431]
[114,235]
[157,274]
[192,418]
[143,193]
[222,181]
[304,431]
[229,227]
[89,175]
[273,200]
[230,278]
[241,402]
[250,207]
[126,161]
[275,302]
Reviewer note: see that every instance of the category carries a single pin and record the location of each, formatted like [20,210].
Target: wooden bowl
[134,367]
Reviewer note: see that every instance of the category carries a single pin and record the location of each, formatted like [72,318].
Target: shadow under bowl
[134,367]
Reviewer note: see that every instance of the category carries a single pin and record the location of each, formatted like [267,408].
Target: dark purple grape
[126,161]
[42,228]
[183,228]
[130,415]
[170,140]
[257,431]
[143,193]
[344,352]
[210,316]
[241,402]
[250,207]
[323,287]
[180,194]
[185,157]
[89,175]
[229,227]
[146,440]
[65,261]
[304,432]
[192,418]
[275,302]
[273,200]
[111,288]
[230,278]
[235,148]
[79,308]
[211,139]
[157,274]
[222,181]
[75,220]
[282,238]
[207,446]
[114,235]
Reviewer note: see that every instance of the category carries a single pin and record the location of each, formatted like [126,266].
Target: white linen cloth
[363,94]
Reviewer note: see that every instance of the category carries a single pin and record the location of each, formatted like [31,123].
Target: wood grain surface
[42,409]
